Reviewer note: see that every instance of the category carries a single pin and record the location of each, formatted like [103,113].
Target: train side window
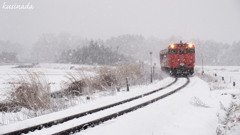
[172,51]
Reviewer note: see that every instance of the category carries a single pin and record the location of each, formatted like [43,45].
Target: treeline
[66,48]
[92,54]
[8,57]
[8,52]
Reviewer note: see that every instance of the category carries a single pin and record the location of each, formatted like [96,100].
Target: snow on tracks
[84,122]
[42,122]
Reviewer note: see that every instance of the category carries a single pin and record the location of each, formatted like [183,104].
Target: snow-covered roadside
[194,110]
[221,80]
[229,117]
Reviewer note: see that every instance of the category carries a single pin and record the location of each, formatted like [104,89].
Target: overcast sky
[217,20]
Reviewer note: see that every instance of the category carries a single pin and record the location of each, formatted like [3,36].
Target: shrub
[76,84]
[31,90]
[131,71]
[75,88]
[106,78]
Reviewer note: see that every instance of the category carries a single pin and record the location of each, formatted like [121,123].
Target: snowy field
[225,75]
[207,106]
[56,74]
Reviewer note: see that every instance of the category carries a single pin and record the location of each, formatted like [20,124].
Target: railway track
[95,120]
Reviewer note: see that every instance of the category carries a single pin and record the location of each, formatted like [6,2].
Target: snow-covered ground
[55,73]
[190,111]
[221,80]
[201,108]
[194,110]
[95,103]
[225,75]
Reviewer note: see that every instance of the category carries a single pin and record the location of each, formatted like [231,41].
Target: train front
[181,59]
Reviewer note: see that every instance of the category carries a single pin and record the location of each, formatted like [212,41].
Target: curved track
[77,125]
[62,120]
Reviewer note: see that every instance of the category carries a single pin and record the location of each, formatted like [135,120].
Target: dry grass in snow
[31,90]
[106,78]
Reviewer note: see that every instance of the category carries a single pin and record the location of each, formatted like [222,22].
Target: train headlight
[190,45]
[172,46]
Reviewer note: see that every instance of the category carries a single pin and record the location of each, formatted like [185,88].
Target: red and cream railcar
[178,59]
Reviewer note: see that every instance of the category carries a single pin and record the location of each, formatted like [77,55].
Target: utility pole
[154,68]
[151,67]
[202,65]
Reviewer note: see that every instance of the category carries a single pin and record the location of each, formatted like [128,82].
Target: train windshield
[190,50]
[181,45]
[181,52]
[172,51]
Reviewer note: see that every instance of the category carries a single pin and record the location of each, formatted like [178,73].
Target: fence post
[118,89]
[151,75]
[202,72]
[127,84]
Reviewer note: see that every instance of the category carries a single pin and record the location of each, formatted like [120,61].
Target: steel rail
[58,121]
[117,114]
